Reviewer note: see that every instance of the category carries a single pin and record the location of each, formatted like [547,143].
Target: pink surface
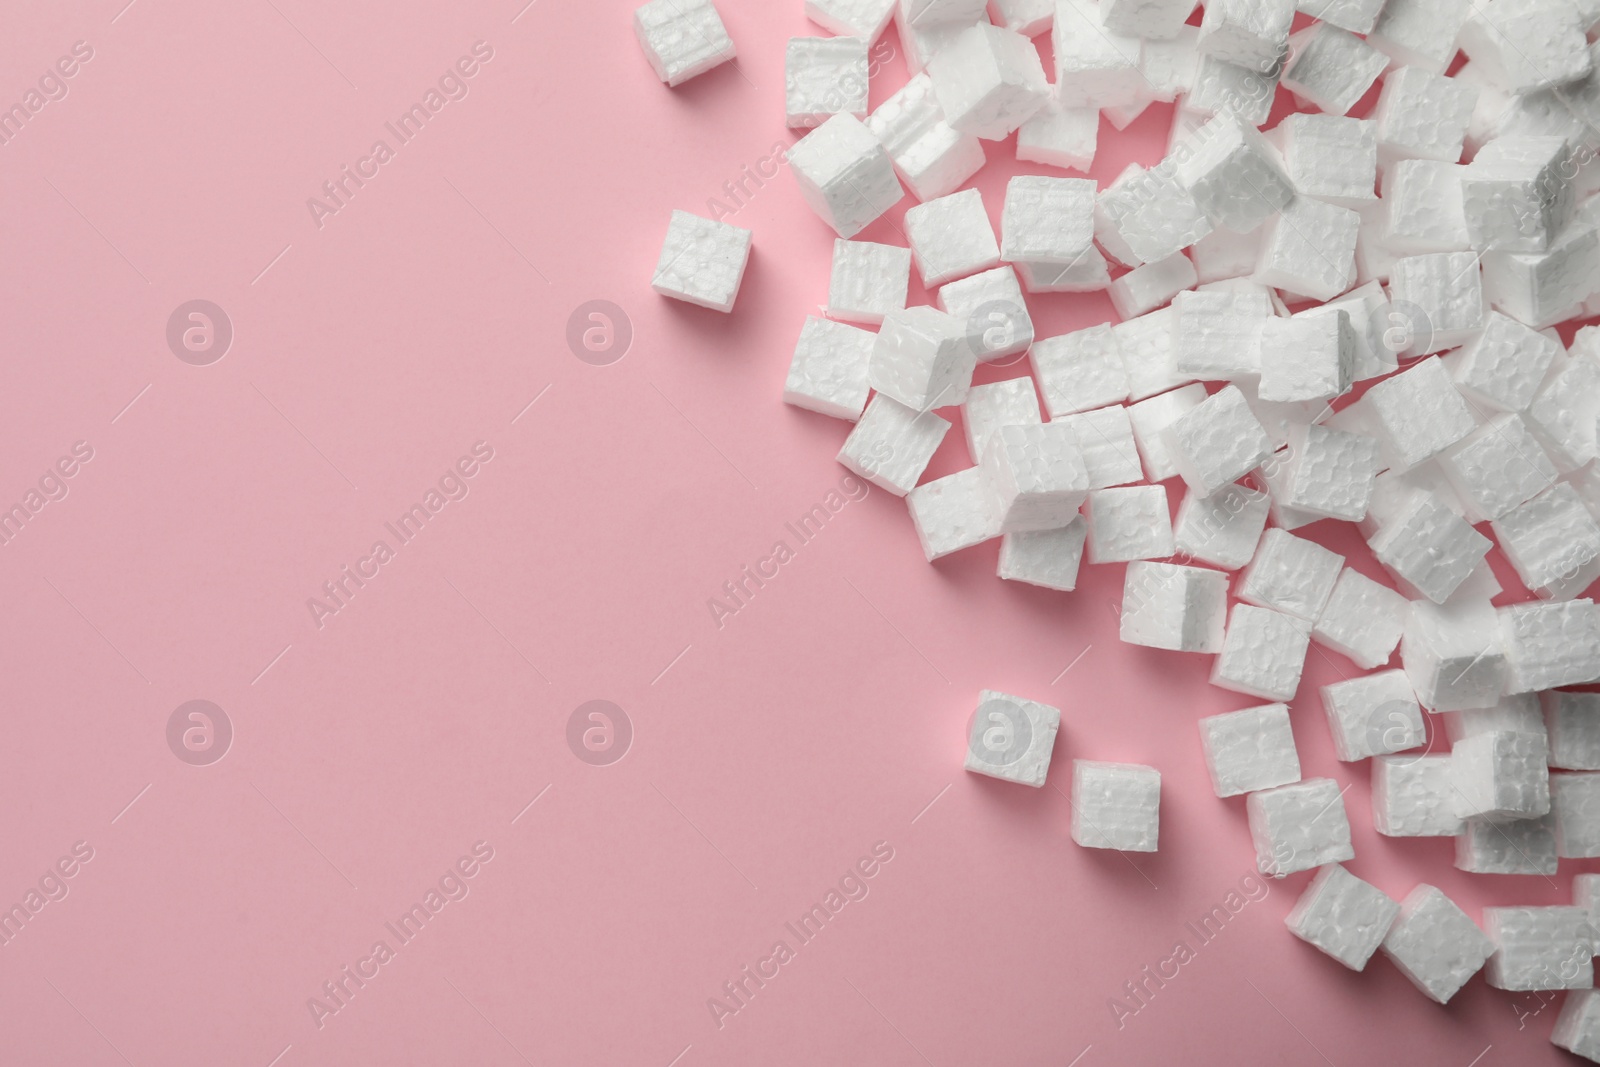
[823,721]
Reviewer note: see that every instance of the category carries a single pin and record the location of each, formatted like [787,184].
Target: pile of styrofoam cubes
[1474,424]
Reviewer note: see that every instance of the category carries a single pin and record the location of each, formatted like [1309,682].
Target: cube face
[1115,805]
[994,311]
[1011,738]
[1178,608]
[844,174]
[1578,1026]
[1515,714]
[1521,846]
[1573,724]
[1343,916]
[1065,137]
[1455,657]
[851,18]
[1307,358]
[952,513]
[1146,215]
[891,444]
[1363,620]
[1037,474]
[1148,20]
[702,262]
[1423,115]
[1553,541]
[1250,750]
[1112,458]
[1435,944]
[1080,371]
[1218,442]
[1222,88]
[1129,523]
[1330,472]
[1412,797]
[1575,812]
[1263,653]
[1229,170]
[1445,289]
[1540,948]
[868,281]
[1331,158]
[1148,356]
[1500,775]
[989,81]
[1333,68]
[932,157]
[1310,249]
[1563,414]
[988,407]
[1498,468]
[1047,220]
[823,77]
[1429,548]
[1291,575]
[1517,194]
[1250,33]
[1298,827]
[1421,33]
[1222,529]
[951,237]
[1524,48]
[1151,418]
[1422,199]
[1373,716]
[1094,67]
[923,358]
[1151,286]
[1550,645]
[828,373]
[1046,558]
[1218,334]
[682,38]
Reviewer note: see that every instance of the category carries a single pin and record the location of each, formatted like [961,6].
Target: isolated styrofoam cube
[1116,805]
[1233,174]
[1423,207]
[1503,366]
[1550,645]
[1455,656]
[1263,653]
[1298,827]
[1331,158]
[1512,714]
[851,18]
[1540,948]
[1250,749]
[1500,775]
[1553,541]
[1418,412]
[1332,68]
[1517,193]
[1411,797]
[1218,333]
[989,81]
[1179,608]
[1421,33]
[1064,137]
[1147,215]
[1575,813]
[1362,620]
[844,174]
[1152,417]
[1309,249]
[1290,574]
[1149,354]
[1343,916]
[1011,738]
[1578,1026]
[1251,33]
[682,38]
[923,358]
[1128,523]
[953,512]
[1047,558]
[1423,115]
[1110,454]
[1037,475]
[1217,442]
[702,261]
[1080,371]
[1224,528]
[1151,286]
[1564,413]
[1435,944]
[828,372]
[824,76]
[1374,715]
[1520,846]
[868,281]
[1444,292]
[1498,469]
[994,310]
[932,157]
[1094,67]
[1310,357]
[1573,724]
[951,237]
[891,444]
[1429,549]
[1012,402]
[1524,46]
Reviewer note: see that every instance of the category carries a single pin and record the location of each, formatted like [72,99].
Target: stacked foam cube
[1349,317]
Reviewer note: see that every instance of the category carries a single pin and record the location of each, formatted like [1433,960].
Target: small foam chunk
[1500,774]
[702,261]
[1331,158]
[1330,473]
[824,76]
[1149,20]
[868,281]
[1290,574]
[1305,358]
[1357,16]
[1553,541]
[1442,294]
[828,372]
[1148,353]
[1012,402]
[1218,333]
[1152,417]
[923,358]
[1046,558]
[1170,606]
[844,174]
[1575,813]
[1540,949]
[1222,529]
[1298,827]
[1116,805]
[1332,68]
[1523,46]
[951,237]
[1514,714]
[933,158]
[1343,916]
[1037,475]
[1222,88]
[1233,175]
[1065,137]
[1375,715]
[1411,797]
[1429,549]
[1128,523]
[1250,749]
[1094,67]
[1435,944]
[1250,33]
[1146,288]
[1423,115]
[1543,288]
[1564,413]
[851,18]
[1362,620]
[1080,371]
[892,444]
[994,310]
[1578,1026]
[1217,442]
[1421,33]
[1048,224]
[1454,656]
[1146,216]
[1572,721]
[953,512]
[1497,469]
[1012,738]
[989,81]
[1521,846]
[1517,193]
[1109,453]
[682,38]
[1423,207]
[1550,645]
[1309,249]
[1028,17]
[1418,413]
[1263,653]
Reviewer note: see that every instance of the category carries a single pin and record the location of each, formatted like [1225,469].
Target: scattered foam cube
[951,237]
[1080,371]
[1578,1026]
[1498,469]
[1444,294]
[1423,115]
[994,310]
[1550,645]
[1454,656]
[1521,846]
[1224,528]
[824,76]
[1500,775]
[1250,749]
[1331,158]
[1309,249]
[1153,285]
[1307,358]
[1012,738]
[923,35]
[1089,273]
[1221,88]
[1553,541]
[1418,412]
[1094,67]
[1149,353]
[1146,216]
[682,38]
[851,18]
[1027,17]
[1332,68]
[844,174]
[1116,805]
[868,281]
[922,358]
[1503,366]
[1128,523]
[1367,305]
[1152,417]
[828,372]
[1429,549]
[1148,20]
[1543,288]
[1178,608]
[1217,442]
[1516,714]
[1232,174]
[1411,797]
[1357,16]
[1435,944]
[1573,724]
[1059,136]
[1575,813]
[1109,453]
[1218,333]
[1420,33]
[702,261]
[1223,255]
[1330,473]
[1037,475]
[1012,402]
[1298,827]
[1523,47]
[1250,33]
[1362,620]
[989,81]
[1290,574]
[892,444]
[1263,653]
[1046,558]
[932,157]
[1375,715]
[1047,221]
[953,512]
[1343,916]
[1564,413]
[1425,209]
[1517,193]
[1540,948]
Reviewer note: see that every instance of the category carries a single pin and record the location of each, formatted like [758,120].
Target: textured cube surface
[1047,558]
[1429,549]
[1147,215]
[1309,249]
[1116,805]
[1037,474]
[1222,529]
[1332,68]
[1233,175]
[1362,619]
[1012,402]
[1094,67]
[682,38]
[953,512]
[1575,814]
[1578,1026]
[1343,916]
[1128,523]
[1251,33]
[951,237]
[702,261]
[1411,797]
[932,157]
[1331,157]
[1152,417]
[1442,293]
[1329,473]
[1110,454]
[1065,137]
[1167,605]
[1263,653]
[1501,775]
[1552,540]
[824,76]
[1498,468]
[994,311]
[1572,721]
[1079,371]
[1249,750]
[1423,115]
[922,358]
[891,444]
[1435,944]
[828,372]
[1298,827]
[851,18]
[1454,656]
[1217,442]
[868,281]
[1291,575]
[1421,33]
[988,81]
[1373,716]
[1540,948]
[844,174]
[1521,846]
[1011,738]
[1047,221]
[1550,645]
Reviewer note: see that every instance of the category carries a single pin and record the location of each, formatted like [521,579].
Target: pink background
[369,754]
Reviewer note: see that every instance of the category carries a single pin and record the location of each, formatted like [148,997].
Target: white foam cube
[1218,333]
[1149,20]
[1513,714]
[1550,645]
[851,18]
[1573,724]
[1222,529]
[828,372]
[1421,33]
[1290,574]
[1425,212]
[1454,656]
[1233,174]
[1518,193]
[1110,454]
[1373,716]
[1222,255]
[1046,558]
[1012,402]
[702,261]
[1048,221]
[1263,653]
[989,81]
[951,237]
[1027,17]
[1146,288]
[1423,115]
[1543,288]
[1411,797]
[892,444]
[1331,158]
[1011,738]
[1524,46]
[1307,357]
[923,358]
[1575,813]
[1250,749]
[1503,366]
[941,12]
[1578,1026]
[1251,33]
[1298,827]
[925,34]
[1418,412]
[953,512]
[1222,88]
[1217,442]
[1429,549]
[1357,16]
[1146,215]
[1089,273]
[1540,948]
[1059,136]
[824,76]
[1178,608]
[1444,291]
[1435,944]
[1330,473]
[1362,620]
[1149,353]
[1037,475]
[932,157]
[682,38]
[1332,68]
[994,310]
[1116,805]
[1500,775]
[1080,371]
[1368,308]
[1094,67]
[844,174]
[1499,468]
[1552,540]
[1152,417]
[1343,916]
[1564,412]
[1521,846]
[1309,249]
[1128,523]
[868,281]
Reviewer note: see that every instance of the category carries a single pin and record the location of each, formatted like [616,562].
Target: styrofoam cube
[953,512]
[844,174]
[1089,273]
[1094,67]
[1543,288]
[1148,20]
[1218,333]
[989,81]
[1037,475]
[1309,249]
[1573,724]
[1110,454]
[824,76]
[1524,46]
[1065,137]
[1012,738]
[1429,549]
[1152,417]
[932,157]
[1307,357]
[1423,115]
[702,261]
[1217,442]
[892,444]
[1080,371]
[1116,805]
[1263,653]
[1521,846]
[1540,948]
[923,358]
[1443,292]
[1514,714]
[1332,68]
[682,38]
[927,31]
[1370,318]
[1046,558]
[941,12]
[828,372]
[1575,813]
[1222,529]
[851,18]
[1503,366]
[868,281]
[1418,412]
[1250,749]
[1564,413]
[1251,33]
[1331,158]
[1424,208]
[1517,193]
[1357,16]
[1578,1026]
[1411,797]
[1298,827]
[1374,715]
[1421,33]
[1147,215]
[1290,574]
[1151,286]
[1223,255]
[1149,354]
[1178,608]
[1222,88]
[1343,916]
[1047,221]
[1362,620]
[1012,402]
[1454,656]
[1500,775]
[1233,174]
[1553,541]
[1550,645]
[1027,17]
[1129,523]
[1435,944]
[951,237]
[994,310]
